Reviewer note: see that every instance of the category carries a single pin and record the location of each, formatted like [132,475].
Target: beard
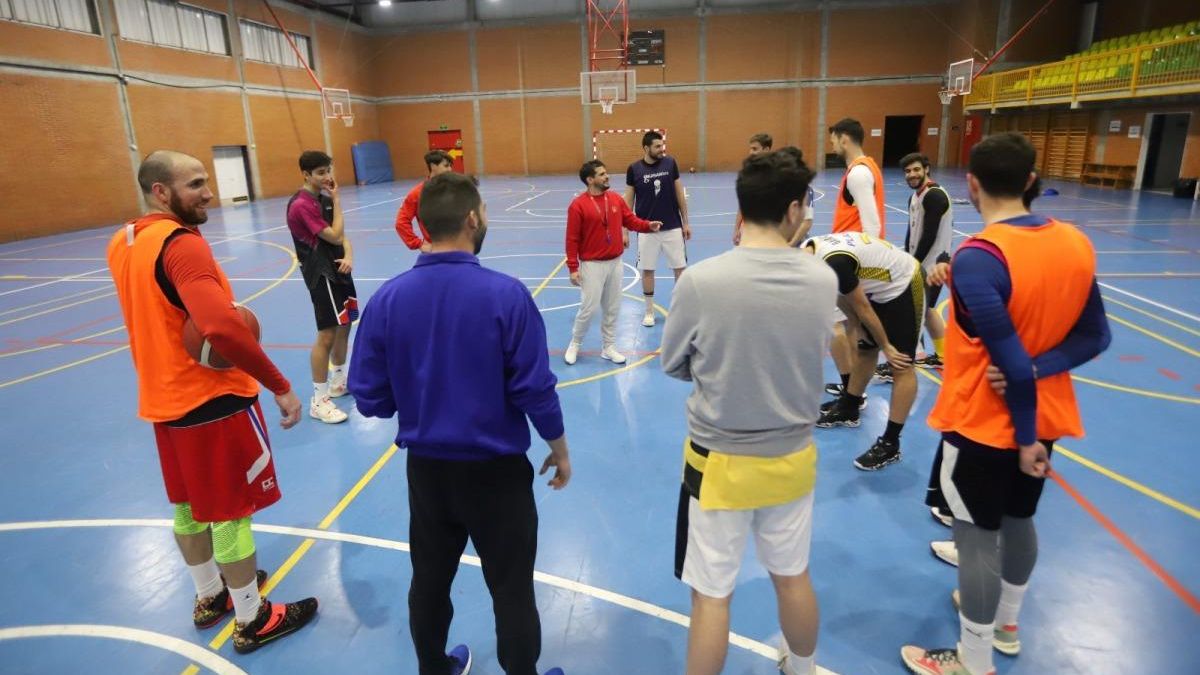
[603,187]
[916,183]
[193,216]
[480,235]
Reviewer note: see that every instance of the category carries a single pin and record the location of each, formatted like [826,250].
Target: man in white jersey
[882,293]
[930,229]
[858,207]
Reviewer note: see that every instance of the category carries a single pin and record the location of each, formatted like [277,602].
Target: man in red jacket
[594,248]
[436,162]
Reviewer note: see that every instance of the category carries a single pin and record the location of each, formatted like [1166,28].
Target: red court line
[1170,373]
[1158,571]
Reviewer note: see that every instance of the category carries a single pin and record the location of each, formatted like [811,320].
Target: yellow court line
[80,362]
[623,369]
[546,281]
[1134,485]
[191,670]
[1133,390]
[1152,315]
[1109,473]
[1146,331]
[302,549]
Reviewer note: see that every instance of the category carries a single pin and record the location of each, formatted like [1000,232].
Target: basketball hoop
[608,88]
[946,95]
[348,120]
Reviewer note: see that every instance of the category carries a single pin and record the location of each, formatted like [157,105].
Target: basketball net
[946,95]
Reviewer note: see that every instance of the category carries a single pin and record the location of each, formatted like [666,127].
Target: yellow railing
[1170,67]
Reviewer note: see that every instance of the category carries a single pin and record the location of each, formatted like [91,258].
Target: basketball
[199,348]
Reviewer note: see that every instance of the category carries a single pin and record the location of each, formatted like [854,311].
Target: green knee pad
[232,541]
[185,524]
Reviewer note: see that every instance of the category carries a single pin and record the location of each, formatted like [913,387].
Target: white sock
[1010,603]
[207,577]
[975,646]
[338,372]
[800,665]
[246,602]
[649,303]
[320,390]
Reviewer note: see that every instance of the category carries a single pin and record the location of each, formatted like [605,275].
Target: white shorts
[670,242]
[716,540]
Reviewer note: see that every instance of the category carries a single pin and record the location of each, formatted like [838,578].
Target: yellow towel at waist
[740,482]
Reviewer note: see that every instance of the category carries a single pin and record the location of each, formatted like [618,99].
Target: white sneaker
[942,518]
[610,353]
[648,320]
[572,353]
[337,387]
[946,551]
[326,411]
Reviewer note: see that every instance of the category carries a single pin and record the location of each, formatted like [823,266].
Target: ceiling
[414,13]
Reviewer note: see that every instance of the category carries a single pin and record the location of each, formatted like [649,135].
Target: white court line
[211,243]
[1148,301]
[563,583]
[1137,297]
[527,200]
[190,650]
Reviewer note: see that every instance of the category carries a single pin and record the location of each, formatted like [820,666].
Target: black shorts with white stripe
[981,484]
[335,302]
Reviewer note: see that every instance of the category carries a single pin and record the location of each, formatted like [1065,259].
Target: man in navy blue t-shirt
[654,193]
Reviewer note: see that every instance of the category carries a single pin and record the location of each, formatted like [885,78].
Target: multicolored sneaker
[460,660]
[274,620]
[209,612]
[934,661]
[1004,638]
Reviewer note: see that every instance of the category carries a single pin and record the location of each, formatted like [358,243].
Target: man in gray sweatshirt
[749,328]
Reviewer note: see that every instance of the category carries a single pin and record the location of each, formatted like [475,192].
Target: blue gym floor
[91,578]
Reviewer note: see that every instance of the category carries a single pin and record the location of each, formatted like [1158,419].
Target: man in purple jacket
[457,353]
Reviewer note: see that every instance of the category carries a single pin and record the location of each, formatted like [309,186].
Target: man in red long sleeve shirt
[594,248]
[210,431]
[436,162]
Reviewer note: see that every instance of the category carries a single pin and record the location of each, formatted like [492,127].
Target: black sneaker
[931,361]
[833,388]
[207,613]
[881,454]
[837,416]
[883,372]
[274,620]
[828,405]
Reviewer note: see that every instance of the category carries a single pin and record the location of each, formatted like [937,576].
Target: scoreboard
[647,47]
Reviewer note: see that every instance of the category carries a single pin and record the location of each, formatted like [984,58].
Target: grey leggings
[986,556]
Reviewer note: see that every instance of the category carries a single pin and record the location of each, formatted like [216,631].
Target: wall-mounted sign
[877,132]
[931,131]
[1114,126]
[1135,131]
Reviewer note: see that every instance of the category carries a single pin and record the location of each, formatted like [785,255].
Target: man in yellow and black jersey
[881,290]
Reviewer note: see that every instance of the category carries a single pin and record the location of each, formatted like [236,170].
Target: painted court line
[212,661]
[1157,570]
[625,601]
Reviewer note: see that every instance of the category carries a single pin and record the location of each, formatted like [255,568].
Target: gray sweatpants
[600,281]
